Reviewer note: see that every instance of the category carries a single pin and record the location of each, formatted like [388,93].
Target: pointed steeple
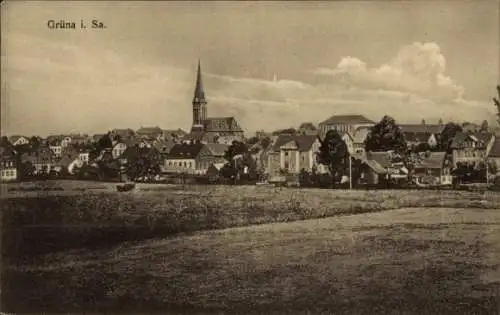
[199,93]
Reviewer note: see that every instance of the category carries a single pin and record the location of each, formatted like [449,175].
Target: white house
[118,149]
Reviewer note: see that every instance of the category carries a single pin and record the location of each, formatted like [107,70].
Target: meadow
[229,249]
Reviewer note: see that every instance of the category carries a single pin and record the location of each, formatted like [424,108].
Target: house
[122,134]
[56,147]
[18,140]
[118,149]
[471,147]
[417,134]
[8,164]
[211,129]
[183,158]
[359,138]
[163,146]
[433,168]
[39,158]
[150,133]
[293,153]
[210,154]
[194,158]
[494,155]
[173,135]
[345,123]
[371,172]
[145,143]
[378,167]
[68,162]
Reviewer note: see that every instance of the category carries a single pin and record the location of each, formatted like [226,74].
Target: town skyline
[270,69]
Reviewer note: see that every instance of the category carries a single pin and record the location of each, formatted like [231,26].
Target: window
[286,153]
[185,164]
[287,165]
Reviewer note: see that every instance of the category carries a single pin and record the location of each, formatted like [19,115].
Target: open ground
[235,250]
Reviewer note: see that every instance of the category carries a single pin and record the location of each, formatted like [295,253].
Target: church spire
[199,94]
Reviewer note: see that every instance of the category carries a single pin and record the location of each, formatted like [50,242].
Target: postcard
[250,157]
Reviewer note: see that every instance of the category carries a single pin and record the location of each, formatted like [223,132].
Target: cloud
[417,68]
[61,88]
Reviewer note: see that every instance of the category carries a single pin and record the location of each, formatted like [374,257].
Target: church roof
[213,124]
[199,93]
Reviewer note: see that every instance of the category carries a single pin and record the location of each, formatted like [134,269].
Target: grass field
[145,251]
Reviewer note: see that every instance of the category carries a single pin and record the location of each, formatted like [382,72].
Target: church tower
[199,102]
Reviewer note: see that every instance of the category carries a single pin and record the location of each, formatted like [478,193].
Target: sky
[270,64]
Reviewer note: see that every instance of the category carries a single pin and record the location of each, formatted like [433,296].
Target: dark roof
[432,160]
[382,158]
[163,146]
[347,120]
[199,93]
[417,136]
[185,150]
[221,124]
[495,149]
[481,137]
[304,142]
[422,128]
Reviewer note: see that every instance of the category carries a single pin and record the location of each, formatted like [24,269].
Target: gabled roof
[495,149]
[163,147]
[481,138]
[304,142]
[347,120]
[382,158]
[217,149]
[213,124]
[185,150]
[422,128]
[432,160]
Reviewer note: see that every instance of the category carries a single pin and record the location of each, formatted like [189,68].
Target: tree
[236,148]
[145,163]
[496,102]
[423,121]
[333,154]
[447,135]
[386,136]
[484,126]
[440,121]
[252,140]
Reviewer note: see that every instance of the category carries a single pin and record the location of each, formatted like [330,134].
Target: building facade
[293,153]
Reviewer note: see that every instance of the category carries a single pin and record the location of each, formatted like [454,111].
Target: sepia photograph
[250,157]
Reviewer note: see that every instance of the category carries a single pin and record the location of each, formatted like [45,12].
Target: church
[211,129]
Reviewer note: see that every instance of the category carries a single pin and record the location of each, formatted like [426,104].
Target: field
[199,250]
